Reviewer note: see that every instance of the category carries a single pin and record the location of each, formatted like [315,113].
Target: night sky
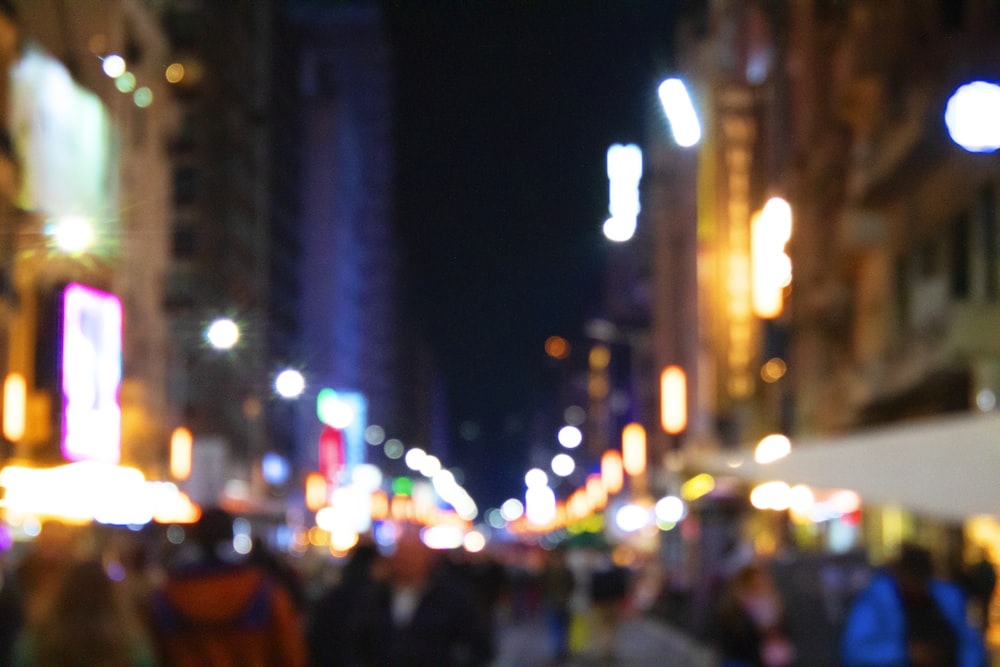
[504,114]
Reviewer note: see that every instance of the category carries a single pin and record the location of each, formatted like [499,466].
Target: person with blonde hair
[86,623]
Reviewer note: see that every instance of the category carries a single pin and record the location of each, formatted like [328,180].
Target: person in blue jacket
[907,617]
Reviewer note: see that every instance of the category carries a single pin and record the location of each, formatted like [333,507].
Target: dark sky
[505,111]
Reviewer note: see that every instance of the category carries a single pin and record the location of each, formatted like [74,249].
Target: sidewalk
[640,642]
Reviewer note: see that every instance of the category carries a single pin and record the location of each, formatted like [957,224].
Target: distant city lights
[512,509]
[570,436]
[174,73]
[535,477]
[563,465]
[772,448]
[333,410]
[630,518]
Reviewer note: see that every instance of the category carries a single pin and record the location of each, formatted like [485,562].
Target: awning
[944,467]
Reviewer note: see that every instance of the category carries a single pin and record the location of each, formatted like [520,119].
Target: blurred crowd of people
[76,596]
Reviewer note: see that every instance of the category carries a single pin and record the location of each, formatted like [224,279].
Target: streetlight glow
[113,65]
[570,437]
[679,108]
[222,334]
[72,234]
[563,465]
[289,383]
[972,116]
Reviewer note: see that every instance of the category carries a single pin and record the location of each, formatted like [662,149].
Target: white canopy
[948,467]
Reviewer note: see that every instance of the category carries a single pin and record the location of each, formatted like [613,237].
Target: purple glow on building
[91,375]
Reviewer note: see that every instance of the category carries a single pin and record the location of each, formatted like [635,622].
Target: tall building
[878,365]
[87,142]
[351,335]
[220,244]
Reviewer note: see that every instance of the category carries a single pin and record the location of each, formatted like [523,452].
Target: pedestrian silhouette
[420,616]
[219,608]
[558,583]
[332,631]
[87,622]
[980,580]
[750,621]
[908,617]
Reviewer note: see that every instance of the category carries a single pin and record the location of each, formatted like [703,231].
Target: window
[185,241]
[187,183]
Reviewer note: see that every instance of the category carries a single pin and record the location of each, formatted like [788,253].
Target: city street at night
[494,333]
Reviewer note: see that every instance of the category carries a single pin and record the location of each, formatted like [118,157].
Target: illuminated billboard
[91,374]
[64,140]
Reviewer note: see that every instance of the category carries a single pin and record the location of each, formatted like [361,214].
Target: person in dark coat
[421,617]
[332,628]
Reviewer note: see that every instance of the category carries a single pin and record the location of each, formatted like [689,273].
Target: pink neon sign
[91,374]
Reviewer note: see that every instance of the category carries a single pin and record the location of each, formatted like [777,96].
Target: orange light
[315,491]
[181,448]
[577,506]
[557,347]
[673,399]
[402,508]
[771,271]
[634,449]
[380,505]
[612,472]
[597,495]
[15,401]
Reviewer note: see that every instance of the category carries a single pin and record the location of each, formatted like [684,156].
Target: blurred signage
[345,412]
[91,374]
[63,138]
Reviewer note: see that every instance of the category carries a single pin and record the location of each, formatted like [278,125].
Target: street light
[222,334]
[289,383]
[680,112]
[973,117]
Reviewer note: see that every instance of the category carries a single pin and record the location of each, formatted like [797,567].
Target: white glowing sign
[624,174]
[64,139]
[91,374]
[679,108]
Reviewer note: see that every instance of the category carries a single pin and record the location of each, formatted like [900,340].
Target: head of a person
[412,560]
[361,562]
[913,570]
[213,530]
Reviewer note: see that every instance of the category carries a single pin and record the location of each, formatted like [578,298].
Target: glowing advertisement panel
[64,140]
[91,374]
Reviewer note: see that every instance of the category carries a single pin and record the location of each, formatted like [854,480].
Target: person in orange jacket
[220,609]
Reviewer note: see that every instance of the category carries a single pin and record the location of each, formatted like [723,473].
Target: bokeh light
[972,116]
[570,436]
[563,465]
[222,334]
[557,347]
[289,383]
[113,65]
